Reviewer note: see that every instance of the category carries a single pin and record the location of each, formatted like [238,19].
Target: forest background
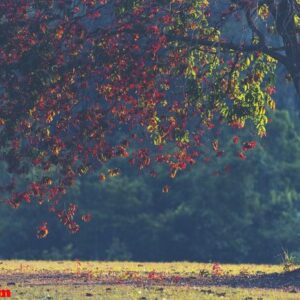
[223,209]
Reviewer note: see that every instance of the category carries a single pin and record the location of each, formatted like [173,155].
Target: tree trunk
[293,66]
[296,79]
[283,12]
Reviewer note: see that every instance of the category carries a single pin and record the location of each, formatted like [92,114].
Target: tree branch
[231,46]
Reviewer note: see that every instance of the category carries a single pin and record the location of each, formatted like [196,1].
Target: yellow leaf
[263,11]
[50,115]
[297,20]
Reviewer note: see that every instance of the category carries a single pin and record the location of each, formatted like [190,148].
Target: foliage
[76,75]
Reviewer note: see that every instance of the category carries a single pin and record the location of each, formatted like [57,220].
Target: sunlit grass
[123,292]
[182,268]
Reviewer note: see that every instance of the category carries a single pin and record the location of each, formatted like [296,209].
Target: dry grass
[183,268]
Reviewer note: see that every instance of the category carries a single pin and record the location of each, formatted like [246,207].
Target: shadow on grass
[289,281]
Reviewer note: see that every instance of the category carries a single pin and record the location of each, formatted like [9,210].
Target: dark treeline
[248,212]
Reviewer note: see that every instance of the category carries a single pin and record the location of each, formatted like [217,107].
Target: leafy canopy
[83,82]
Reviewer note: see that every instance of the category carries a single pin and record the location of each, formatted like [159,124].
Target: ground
[145,281]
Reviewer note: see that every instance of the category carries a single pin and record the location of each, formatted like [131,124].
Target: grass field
[145,281]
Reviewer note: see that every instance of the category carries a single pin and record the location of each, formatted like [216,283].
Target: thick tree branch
[254,28]
[231,46]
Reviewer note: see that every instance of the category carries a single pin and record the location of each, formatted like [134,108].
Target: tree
[83,82]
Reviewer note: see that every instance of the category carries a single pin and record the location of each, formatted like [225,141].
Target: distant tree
[76,75]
